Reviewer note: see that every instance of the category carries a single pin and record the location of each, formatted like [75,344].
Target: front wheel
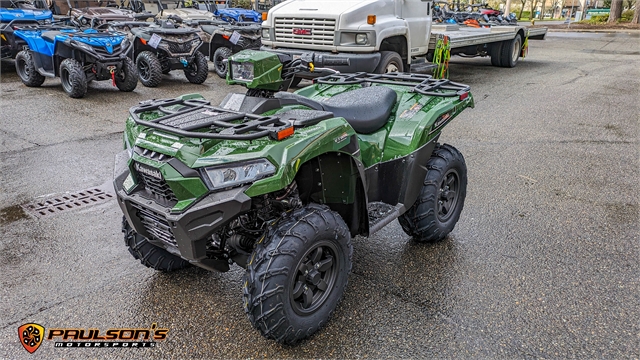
[73,78]
[149,69]
[150,255]
[297,274]
[220,65]
[198,70]
[127,79]
[26,69]
[390,62]
[438,207]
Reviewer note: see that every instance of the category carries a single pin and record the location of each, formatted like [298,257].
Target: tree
[616,11]
[534,5]
[523,2]
[636,14]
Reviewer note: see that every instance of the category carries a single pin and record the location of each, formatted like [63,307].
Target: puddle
[11,214]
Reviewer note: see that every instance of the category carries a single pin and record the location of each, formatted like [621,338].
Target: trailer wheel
[510,52]
[390,62]
[26,69]
[494,51]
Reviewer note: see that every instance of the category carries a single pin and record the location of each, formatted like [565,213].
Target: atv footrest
[381,214]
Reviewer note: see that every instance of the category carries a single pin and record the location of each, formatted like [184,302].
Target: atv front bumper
[187,233]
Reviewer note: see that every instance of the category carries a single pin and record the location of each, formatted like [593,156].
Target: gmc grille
[322,31]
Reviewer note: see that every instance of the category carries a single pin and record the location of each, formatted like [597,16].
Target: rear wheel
[26,69]
[220,66]
[73,78]
[297,274]
[390,62]
[494,52]
[510,52]
[150,255]
[149,69]
[198,70]
[438,207]
[127,79]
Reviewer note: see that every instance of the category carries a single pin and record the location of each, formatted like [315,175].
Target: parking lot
[543,262]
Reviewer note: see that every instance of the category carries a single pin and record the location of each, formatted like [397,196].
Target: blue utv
[15,13]
[77,57]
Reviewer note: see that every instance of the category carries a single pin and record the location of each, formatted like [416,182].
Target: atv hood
[104,13]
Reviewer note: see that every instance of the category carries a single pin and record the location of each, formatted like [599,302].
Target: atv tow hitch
[112,71]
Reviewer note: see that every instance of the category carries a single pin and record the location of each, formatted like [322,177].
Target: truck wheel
[150,255]
[297,274]
[73,78]
[438,207]
[26,69]
[127,80]
[495,49]
[149,69]
[221,54]
[510,52]
[198,70]
[390,61]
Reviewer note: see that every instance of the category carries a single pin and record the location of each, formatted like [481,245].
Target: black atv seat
[209,29]
[50,35]
[366,109]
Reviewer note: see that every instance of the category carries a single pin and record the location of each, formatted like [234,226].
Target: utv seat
[50,35]
[366,109]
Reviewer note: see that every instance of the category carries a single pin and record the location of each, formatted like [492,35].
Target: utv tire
[220,66]
[150,255]
[73,78]
[198,70]
[149,69]
[510,52]
[390,61]
[26,69]
[438,207]
[127,80]
[297,274]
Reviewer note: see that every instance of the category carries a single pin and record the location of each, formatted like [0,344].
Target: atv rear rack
[422,84]
[184,117]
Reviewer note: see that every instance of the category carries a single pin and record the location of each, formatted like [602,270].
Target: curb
[630,31]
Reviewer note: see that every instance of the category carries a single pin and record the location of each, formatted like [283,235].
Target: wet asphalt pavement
[543,262]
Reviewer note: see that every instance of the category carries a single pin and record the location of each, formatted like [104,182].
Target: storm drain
[62,203]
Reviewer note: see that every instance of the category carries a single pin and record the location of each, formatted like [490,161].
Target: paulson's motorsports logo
[31,336]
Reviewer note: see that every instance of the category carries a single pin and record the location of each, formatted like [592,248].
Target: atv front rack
[420,83]
[197,118]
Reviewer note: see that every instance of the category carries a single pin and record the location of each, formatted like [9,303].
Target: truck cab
[376,35]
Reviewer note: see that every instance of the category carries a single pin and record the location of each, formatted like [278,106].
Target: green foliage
[526,15]
[626,16]
[597,19]
[244,4]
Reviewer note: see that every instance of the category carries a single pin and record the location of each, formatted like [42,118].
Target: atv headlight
[240,173]
[124,45]
[242,71]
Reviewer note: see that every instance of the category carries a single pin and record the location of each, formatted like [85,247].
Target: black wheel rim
[448,195]
[315,277]
[144,70]
[220,65]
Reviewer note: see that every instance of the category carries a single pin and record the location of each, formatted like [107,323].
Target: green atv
[279,183]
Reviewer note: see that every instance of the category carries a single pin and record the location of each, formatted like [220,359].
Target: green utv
[280,182]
